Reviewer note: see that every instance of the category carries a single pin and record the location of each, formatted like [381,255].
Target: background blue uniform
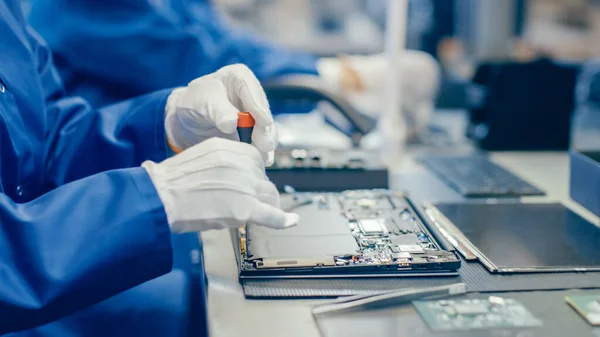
[109,50]
[80,221]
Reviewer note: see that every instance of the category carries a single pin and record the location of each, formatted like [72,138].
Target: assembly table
[230,314]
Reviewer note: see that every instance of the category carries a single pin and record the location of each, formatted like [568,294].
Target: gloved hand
[217,184]
[362,80]
[208,108]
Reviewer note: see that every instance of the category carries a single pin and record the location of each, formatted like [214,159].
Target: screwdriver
[245,125]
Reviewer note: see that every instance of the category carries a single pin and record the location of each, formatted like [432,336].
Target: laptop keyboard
[477,177]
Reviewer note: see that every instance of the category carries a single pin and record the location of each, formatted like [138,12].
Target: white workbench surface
[230,314]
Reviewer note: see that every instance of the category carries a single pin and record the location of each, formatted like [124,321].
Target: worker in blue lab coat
[89,199]
[107,51]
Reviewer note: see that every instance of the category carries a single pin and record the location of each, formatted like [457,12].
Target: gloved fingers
[268,209]
[225,116]
[204,225]
[218,111]
[246,92]
[269,216]
[270,158]
[368,73]
[174,98]
[264,138]
[218,148]
[267,193]
[245,172]
[330,71]
[192,128]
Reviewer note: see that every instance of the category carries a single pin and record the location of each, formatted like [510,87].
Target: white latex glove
[362,80]
[209,105]
[217,184]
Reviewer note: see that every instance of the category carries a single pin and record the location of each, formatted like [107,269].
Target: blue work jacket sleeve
[78,245]
[82,141]
[83,240]
[162,307]
[125,48]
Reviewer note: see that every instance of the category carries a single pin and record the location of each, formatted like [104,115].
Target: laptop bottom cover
[523,237]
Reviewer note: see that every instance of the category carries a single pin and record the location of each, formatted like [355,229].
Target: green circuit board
[588,306]
[470,314]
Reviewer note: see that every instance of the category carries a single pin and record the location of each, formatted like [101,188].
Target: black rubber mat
[475,276]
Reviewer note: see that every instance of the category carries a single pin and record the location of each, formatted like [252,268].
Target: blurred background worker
[112,50]
[88,198]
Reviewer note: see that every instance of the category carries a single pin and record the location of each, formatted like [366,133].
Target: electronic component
[587,306]
[411,248]
[401,255]
[495,300]
[306,262]
[470,314]
[242,239]
[404,239]
[469,308]
[372,226]
[366,203]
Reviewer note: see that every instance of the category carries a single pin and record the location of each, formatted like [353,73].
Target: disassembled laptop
[359,233]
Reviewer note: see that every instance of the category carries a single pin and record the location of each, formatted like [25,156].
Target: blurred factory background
[479,29]
[464,36]
[459,33]
[489,52]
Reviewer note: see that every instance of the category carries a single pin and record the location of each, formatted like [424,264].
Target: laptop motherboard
[356,233]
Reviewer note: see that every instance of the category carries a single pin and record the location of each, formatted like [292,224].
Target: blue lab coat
[80,221]
[110,50]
